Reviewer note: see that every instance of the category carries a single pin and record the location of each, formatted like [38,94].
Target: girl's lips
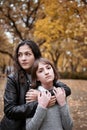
[24,63]
[47,77]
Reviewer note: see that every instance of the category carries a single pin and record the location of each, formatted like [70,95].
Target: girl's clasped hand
[59,96]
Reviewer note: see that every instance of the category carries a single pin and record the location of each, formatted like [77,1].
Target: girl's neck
[48,86]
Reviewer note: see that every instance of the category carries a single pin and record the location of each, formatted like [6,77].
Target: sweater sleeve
[35,122]
[66,119]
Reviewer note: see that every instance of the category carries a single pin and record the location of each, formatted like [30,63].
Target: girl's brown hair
[35,83]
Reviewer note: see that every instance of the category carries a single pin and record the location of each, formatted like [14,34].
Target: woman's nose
[23,57]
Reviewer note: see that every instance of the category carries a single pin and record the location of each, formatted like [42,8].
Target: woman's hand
[60,96]
[32,95]
[52,101]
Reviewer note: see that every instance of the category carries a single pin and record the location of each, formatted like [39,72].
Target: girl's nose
[46,71]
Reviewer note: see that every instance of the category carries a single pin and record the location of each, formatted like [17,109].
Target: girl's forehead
[42,64]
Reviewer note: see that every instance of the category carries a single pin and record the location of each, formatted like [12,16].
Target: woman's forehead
[24,48]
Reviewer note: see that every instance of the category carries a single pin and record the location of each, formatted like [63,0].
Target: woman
[17,88]
[15,108]
[56,117]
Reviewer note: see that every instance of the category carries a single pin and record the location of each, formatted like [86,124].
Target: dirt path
[2,86]
[77,102]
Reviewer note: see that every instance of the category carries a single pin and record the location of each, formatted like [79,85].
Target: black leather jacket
[15,108]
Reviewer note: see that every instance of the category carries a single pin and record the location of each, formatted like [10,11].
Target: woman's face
[45,74]
[25,57]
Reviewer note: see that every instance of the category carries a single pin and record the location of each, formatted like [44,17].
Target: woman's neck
[28,71]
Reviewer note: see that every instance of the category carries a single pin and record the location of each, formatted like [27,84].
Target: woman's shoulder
[12,76]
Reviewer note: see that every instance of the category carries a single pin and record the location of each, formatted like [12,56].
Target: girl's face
[45,75]
[25,57]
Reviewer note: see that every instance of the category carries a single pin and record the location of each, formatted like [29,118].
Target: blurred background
[59,27]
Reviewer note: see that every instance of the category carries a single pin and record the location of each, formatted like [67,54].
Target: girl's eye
[39,71]
[49,67]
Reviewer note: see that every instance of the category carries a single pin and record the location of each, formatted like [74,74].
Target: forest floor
[77,102]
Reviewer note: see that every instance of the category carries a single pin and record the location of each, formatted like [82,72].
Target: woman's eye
[28,54]
[19,54]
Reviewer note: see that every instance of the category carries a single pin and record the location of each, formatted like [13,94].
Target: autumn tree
[6,50]
[18,18]
[62,29]
[5,46]
[58,26]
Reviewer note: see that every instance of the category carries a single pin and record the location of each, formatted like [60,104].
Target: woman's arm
[12,108]
[66,88]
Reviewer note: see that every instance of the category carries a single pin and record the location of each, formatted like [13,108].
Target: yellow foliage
[48,30]
[85,40]
[64,29]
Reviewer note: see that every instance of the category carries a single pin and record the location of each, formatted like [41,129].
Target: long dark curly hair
[17,68]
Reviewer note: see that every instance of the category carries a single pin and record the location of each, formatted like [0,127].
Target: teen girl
[56,117]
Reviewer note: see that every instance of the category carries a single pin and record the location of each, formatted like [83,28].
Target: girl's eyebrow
[40,68]
[44,65]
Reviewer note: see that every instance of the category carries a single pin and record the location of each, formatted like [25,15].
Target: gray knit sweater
[53,118]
